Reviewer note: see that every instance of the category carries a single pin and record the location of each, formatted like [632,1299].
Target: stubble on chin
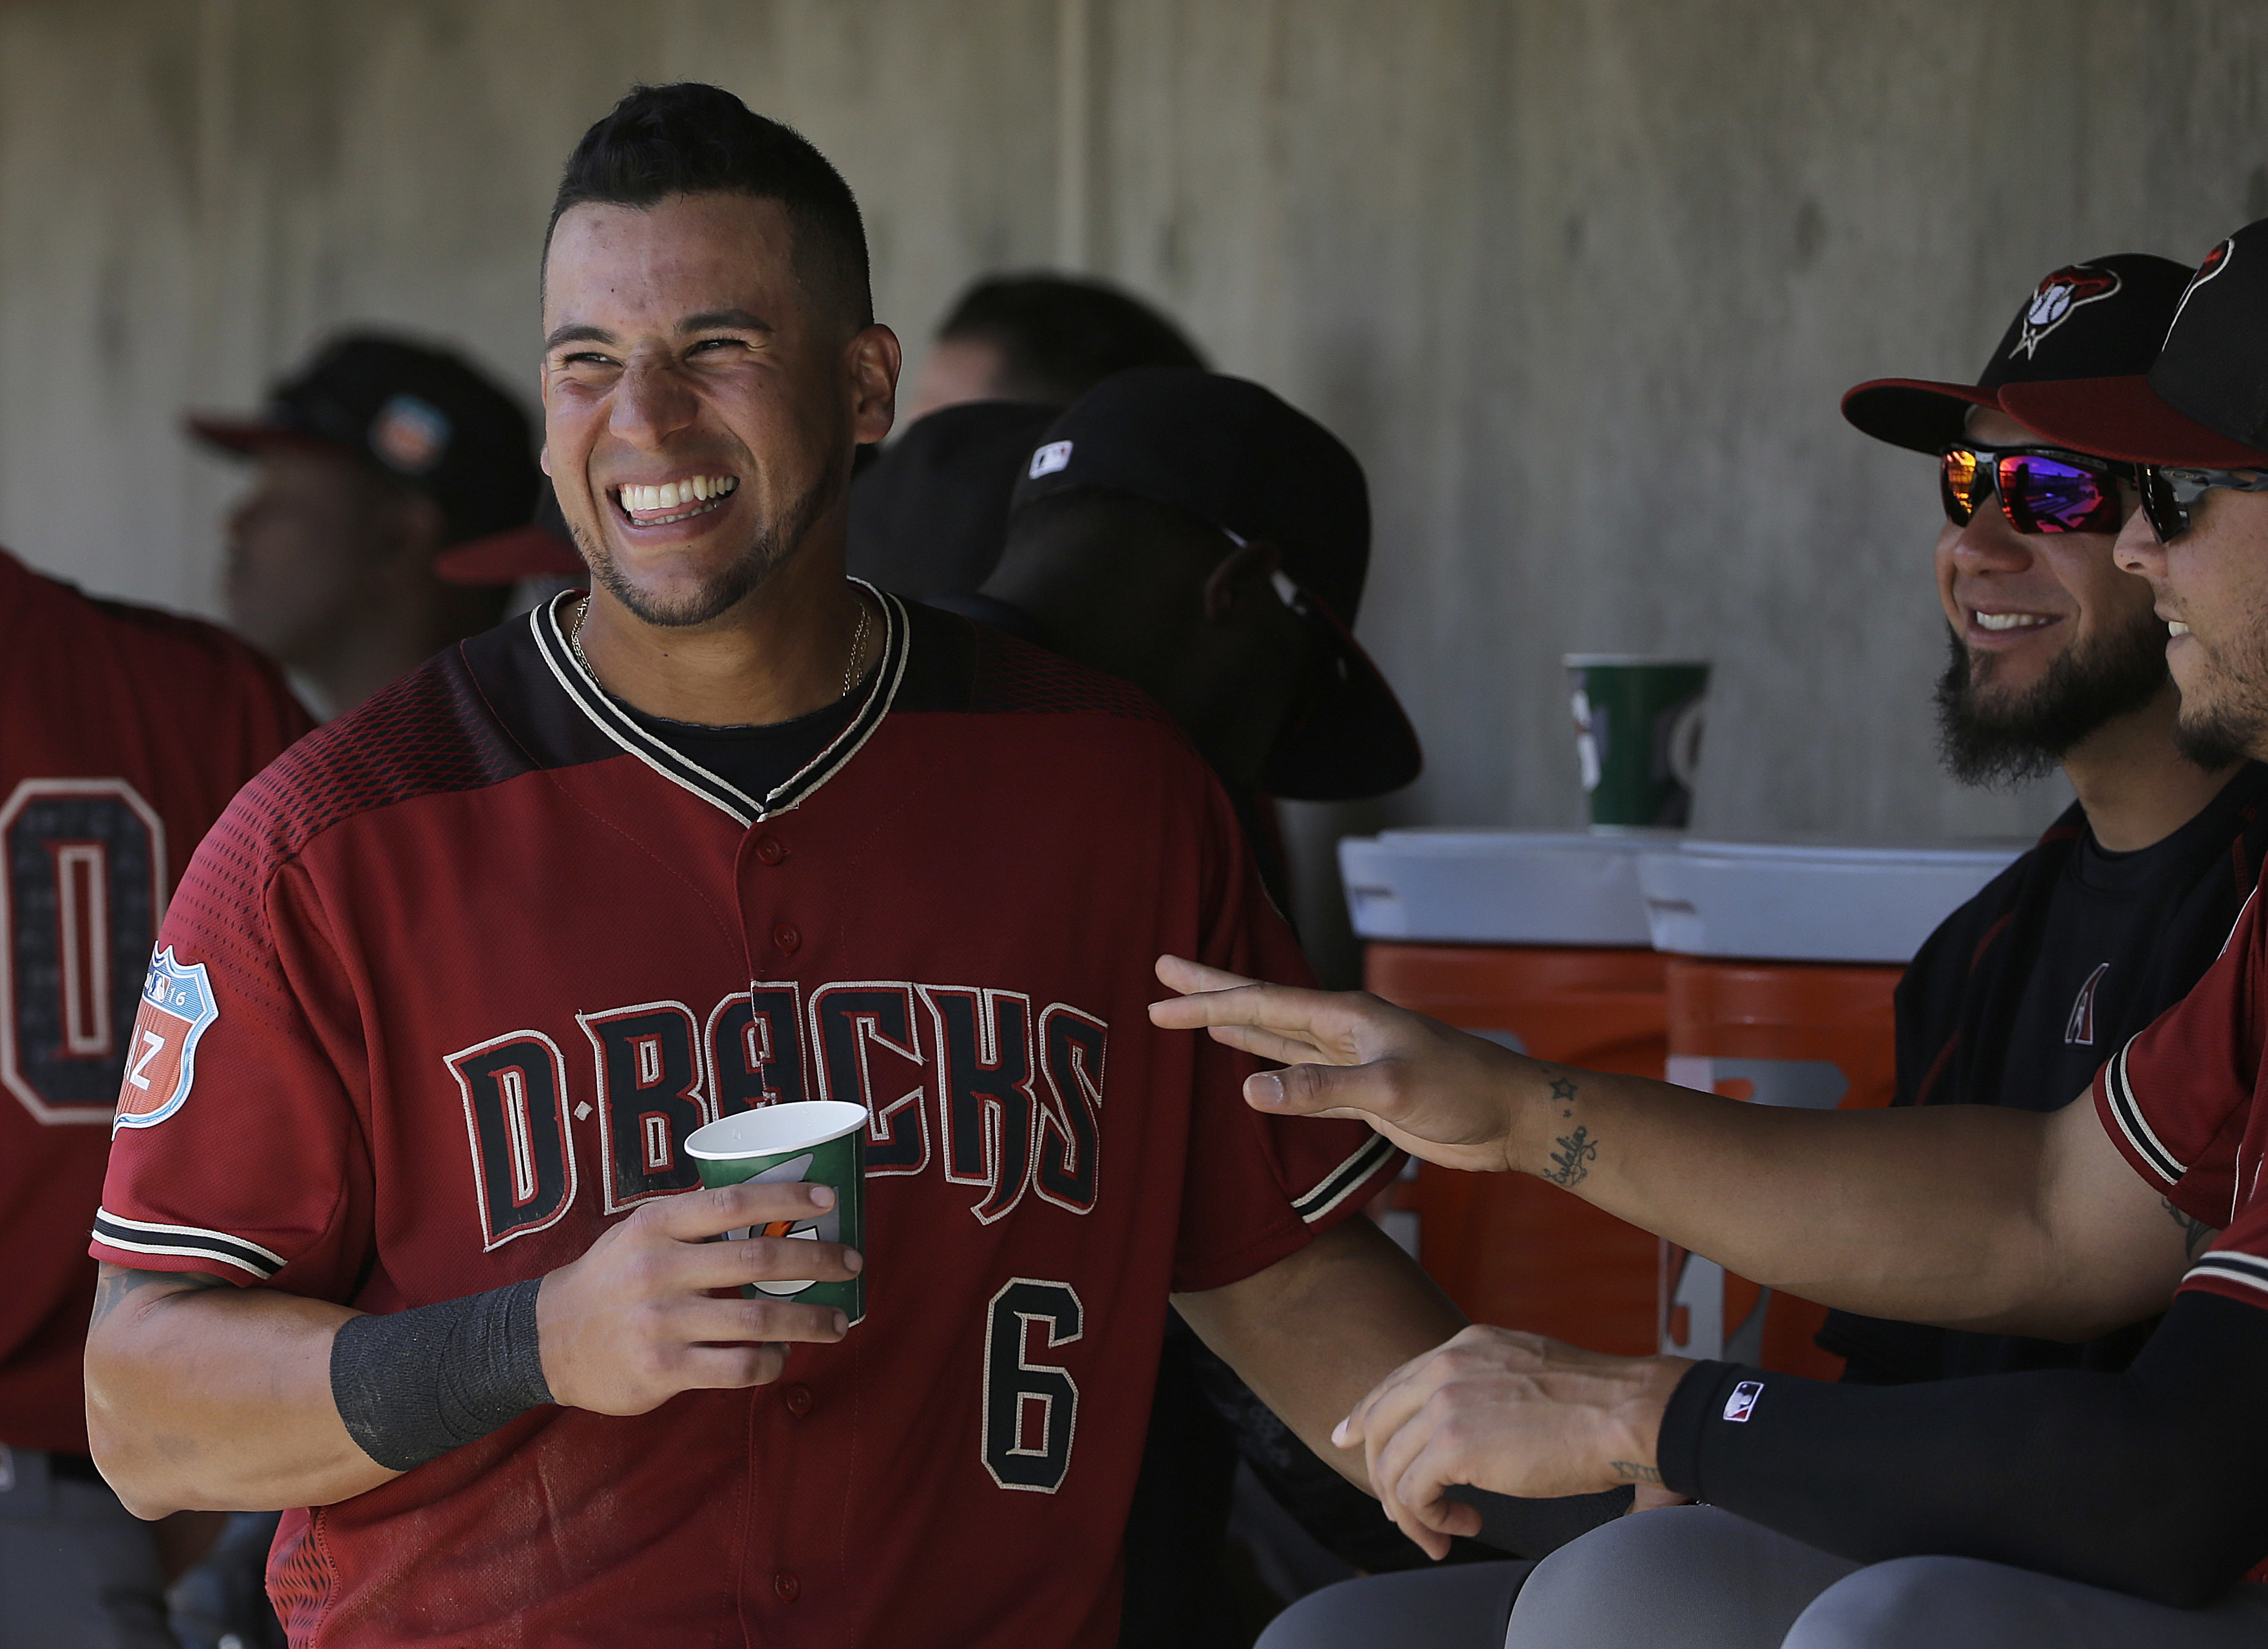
[773,545]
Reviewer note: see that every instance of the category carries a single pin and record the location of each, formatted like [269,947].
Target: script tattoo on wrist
[1571,1163]
[1631,1471]
[2196,1233]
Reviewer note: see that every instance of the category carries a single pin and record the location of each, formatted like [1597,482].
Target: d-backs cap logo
[827,1228]
[410,435]
[177,1008]
[2056,297]
[2215,261]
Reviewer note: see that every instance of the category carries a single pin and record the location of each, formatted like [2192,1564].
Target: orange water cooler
[1782,959]
[1538,940]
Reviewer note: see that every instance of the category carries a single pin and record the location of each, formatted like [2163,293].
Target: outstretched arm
[1968,1217]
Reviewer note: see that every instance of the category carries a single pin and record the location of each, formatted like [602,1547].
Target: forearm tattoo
[1571,1162]
[2195,1233]
[116,1284]
[1630,1471]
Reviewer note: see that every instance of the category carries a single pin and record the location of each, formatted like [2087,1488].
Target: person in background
[124,733]
[929,516]
[1014,351]
[371,460]
[1047,338]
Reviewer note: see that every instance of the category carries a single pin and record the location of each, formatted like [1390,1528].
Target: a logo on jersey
[161,1061]
[827,1228]
[998,1092]
[2079,1029]
[2216,264]
[1049,459]
[2056,298]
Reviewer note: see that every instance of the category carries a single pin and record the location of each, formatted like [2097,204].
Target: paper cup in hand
[820,1141]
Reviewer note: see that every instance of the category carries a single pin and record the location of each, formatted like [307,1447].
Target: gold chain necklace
[850,670]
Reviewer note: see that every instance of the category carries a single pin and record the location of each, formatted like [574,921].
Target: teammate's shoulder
[429,733]
[959,664]
[105,634]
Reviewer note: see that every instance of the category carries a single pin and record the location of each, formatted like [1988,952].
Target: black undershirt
[755,760]
[2094,951]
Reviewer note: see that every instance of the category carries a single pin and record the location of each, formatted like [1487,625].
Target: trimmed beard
[774,546]
[2008,740]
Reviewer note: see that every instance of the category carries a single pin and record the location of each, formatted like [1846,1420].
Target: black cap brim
[1351,738]
[249,438]
[2124,418]
[1919,414]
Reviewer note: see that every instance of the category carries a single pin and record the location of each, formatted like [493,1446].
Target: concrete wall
[1580,282]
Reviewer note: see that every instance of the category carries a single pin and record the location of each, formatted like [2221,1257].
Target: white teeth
[638,499]
[2177,626]
[2009,621]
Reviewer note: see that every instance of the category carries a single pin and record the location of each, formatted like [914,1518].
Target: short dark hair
[1058,337]
[694,139]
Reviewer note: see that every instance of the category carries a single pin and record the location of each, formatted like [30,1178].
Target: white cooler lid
[1811,901]
[1499,886]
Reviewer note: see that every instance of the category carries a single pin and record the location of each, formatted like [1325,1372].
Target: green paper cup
[823,1141]
[1637,736]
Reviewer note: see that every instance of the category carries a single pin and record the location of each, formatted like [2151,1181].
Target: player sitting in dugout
[2105,1508]
[400,1232]
[2056,658]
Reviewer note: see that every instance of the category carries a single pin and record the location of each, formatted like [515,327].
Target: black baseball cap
[1234,455]
[928,518]
[2203,402]
[422,416]
[2098,318]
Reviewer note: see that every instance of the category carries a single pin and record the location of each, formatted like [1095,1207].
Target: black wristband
[416,1384]
[1677,1447]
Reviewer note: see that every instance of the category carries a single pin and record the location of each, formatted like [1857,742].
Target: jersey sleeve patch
[177,1009]
[191,1242]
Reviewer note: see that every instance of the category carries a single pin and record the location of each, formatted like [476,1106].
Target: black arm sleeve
[2152,1480]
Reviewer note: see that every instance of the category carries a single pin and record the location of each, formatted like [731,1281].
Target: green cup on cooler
[819,1141]
[1637,736]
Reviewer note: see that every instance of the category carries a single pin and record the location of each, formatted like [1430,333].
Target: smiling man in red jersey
[417,1246]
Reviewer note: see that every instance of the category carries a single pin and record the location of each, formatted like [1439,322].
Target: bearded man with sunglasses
[2109,1509]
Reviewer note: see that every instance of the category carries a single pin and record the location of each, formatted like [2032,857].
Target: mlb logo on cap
[409,434]
[1049,459]
[1742,1402]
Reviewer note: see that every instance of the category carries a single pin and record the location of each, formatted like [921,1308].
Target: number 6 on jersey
[1031,1410]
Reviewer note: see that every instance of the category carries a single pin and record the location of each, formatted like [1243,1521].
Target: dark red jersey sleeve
[1260,1187]
[2181,1102]
[242,1152]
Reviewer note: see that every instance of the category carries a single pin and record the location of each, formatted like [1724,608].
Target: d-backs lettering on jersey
[480,955]
[124,732]
[1004,1096]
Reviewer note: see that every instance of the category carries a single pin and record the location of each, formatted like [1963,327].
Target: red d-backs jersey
[448,988]
[124,733]
[2186,1100]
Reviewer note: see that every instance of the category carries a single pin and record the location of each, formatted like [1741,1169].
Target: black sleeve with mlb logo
[2147,1481]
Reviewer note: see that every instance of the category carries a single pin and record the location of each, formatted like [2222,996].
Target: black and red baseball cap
[1238,457]
[541,548]
[2104,318]
[422,416]
[2203,402]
